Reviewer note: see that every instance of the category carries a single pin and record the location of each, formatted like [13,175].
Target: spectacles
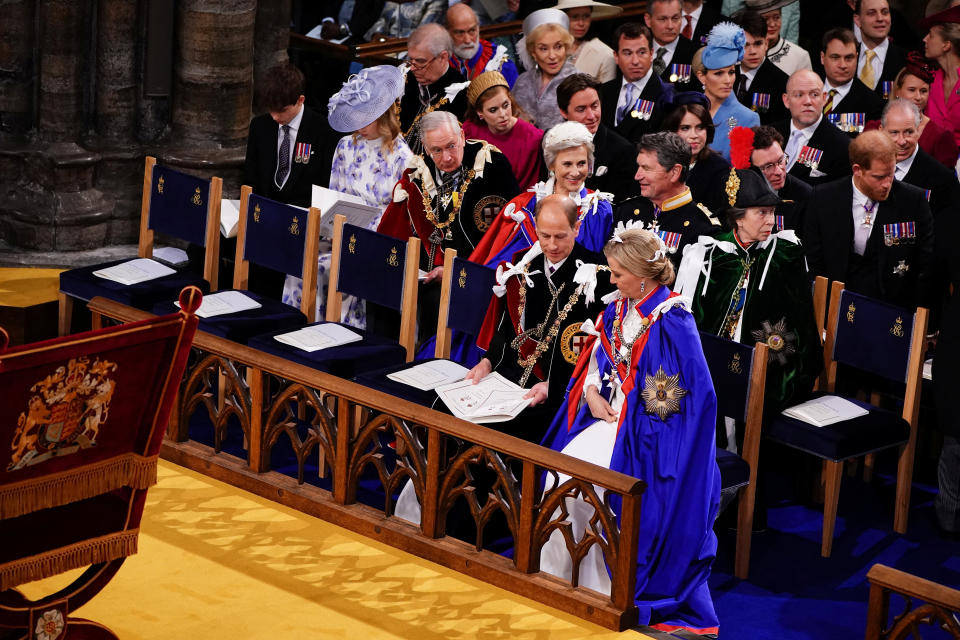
[439,153]
[770,166]
[418,64]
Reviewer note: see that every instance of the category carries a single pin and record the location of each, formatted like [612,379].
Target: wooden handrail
[939,608]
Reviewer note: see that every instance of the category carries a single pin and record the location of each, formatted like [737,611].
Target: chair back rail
[444,333]
[350,440]
[939,608]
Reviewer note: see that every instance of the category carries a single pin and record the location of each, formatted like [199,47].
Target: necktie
[688,28]
[866,73]
[627,102]
[740,87]
[659,64]
[828,105]
[863,228]
[552,269]
[283,158]
[792,149]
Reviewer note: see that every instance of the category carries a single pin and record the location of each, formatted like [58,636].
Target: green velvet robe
[777,307]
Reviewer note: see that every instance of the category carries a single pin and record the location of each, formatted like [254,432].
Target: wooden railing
[358,432]
[939,605]
[382,52]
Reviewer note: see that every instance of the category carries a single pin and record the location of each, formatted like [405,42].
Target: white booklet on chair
[319,336]
[229,217]
[332,202]
[427,376]
[825,410]
[220,304]
[493,399]
[134,271]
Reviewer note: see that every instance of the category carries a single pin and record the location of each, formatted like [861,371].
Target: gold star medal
[661,394]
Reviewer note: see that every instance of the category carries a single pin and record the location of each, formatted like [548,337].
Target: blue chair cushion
[272,315]
[377,379]
[734,470]
[877,430]
[345,361]
[81,283]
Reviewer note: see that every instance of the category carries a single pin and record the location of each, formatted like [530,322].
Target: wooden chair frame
[408,308]
[146,240]
[444,333]
[941,605]
[241,270]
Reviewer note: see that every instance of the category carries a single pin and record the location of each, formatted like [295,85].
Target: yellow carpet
[25,287]
[217,562]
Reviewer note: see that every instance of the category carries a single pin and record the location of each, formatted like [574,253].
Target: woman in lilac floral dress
[367,163]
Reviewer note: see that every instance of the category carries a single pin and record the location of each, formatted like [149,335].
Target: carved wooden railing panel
[365,436]
[939,608]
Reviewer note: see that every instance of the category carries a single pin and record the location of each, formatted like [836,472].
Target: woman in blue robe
[641,402]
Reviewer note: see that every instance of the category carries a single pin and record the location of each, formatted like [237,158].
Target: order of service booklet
[493,399]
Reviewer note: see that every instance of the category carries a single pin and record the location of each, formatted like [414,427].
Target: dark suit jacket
[860,99]
[615,158]
[929,175]
[829,234]
[683,54]
[896,59]
[795,194]
[769,80]
[410,102]
[632,128]
[260,165]
[708,19]
[708,182]
[689,220]
[834,162]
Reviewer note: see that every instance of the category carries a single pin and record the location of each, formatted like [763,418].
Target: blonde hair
[634,251]
[551,27]
[388,126]
[872,145]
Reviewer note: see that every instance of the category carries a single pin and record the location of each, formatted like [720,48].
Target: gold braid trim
[128,470]
[413,125]
[457,204]
[49,563]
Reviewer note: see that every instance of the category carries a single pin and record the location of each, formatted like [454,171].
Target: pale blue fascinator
[724,46]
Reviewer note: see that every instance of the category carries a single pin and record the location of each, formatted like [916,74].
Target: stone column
[272,38]
[16,68]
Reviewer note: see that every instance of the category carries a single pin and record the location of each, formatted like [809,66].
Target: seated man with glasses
[472,54]
[816,150]
[447,197]
[431,82]
[770,160]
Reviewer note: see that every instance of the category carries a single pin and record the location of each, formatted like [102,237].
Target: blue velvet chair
[739,377]
[370,266]
[175,204]
[278,236]
[884,341]
[465,293]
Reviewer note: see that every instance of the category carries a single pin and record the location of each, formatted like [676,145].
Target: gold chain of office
[457,204]
[413,125]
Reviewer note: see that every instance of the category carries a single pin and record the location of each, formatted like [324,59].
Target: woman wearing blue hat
[367,162]
[716,68]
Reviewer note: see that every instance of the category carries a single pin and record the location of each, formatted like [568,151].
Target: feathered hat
[724,46]
[746,188]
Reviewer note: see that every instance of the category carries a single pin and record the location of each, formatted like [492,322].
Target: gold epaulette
[710,216]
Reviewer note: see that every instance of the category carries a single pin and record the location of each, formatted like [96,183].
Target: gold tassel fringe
[81,554]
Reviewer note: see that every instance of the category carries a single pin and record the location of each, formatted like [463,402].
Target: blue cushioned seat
[345,361]
[734,470]
[82,284]
[377,379]
[272,315]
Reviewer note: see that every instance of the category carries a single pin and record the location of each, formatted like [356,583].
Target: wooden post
[333,296]
[145,246]
[343,492]
[257,386]
[430,523]
[911,413]
[527,557]
[625,575]
[833,473]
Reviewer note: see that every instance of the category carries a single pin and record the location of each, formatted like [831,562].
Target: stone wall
[76,119]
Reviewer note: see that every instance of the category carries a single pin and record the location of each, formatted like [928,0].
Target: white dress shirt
[670,50]
[877,64]
[862,222]
[638,87]
[842,91]
[796,143]
[903,167]
[694,19]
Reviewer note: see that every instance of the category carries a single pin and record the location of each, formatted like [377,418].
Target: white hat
[597,9]
[365,96]
[545,16]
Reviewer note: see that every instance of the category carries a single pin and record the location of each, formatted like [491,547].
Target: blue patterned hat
[724,46]
[364,97]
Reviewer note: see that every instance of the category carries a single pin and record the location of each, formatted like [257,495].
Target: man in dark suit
[769,159]
[760,83]
[872,232]
[816,150]
[672,54]
[880,60]
[849,103]
[629,102]
[524,348]
[614,157]
[698,19]
[428,53]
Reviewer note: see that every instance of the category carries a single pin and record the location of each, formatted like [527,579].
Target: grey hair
[567,135]
[906,105]
[433,36]
[437,120]
[671,150]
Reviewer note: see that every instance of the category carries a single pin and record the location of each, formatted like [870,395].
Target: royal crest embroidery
[897,328]
[462,281]
[392,258]
[352,245]
[256,213]
[571,342]
[65,414]
[851,310]
[197,200]
[662,393]
[781,343]
[294,227]
[734,366]
[486,210]
[160,185]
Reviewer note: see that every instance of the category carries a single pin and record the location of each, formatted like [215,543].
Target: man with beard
[613,156]
[431,82]
[472,55]
[447,197]
[769,159]
[872,232]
